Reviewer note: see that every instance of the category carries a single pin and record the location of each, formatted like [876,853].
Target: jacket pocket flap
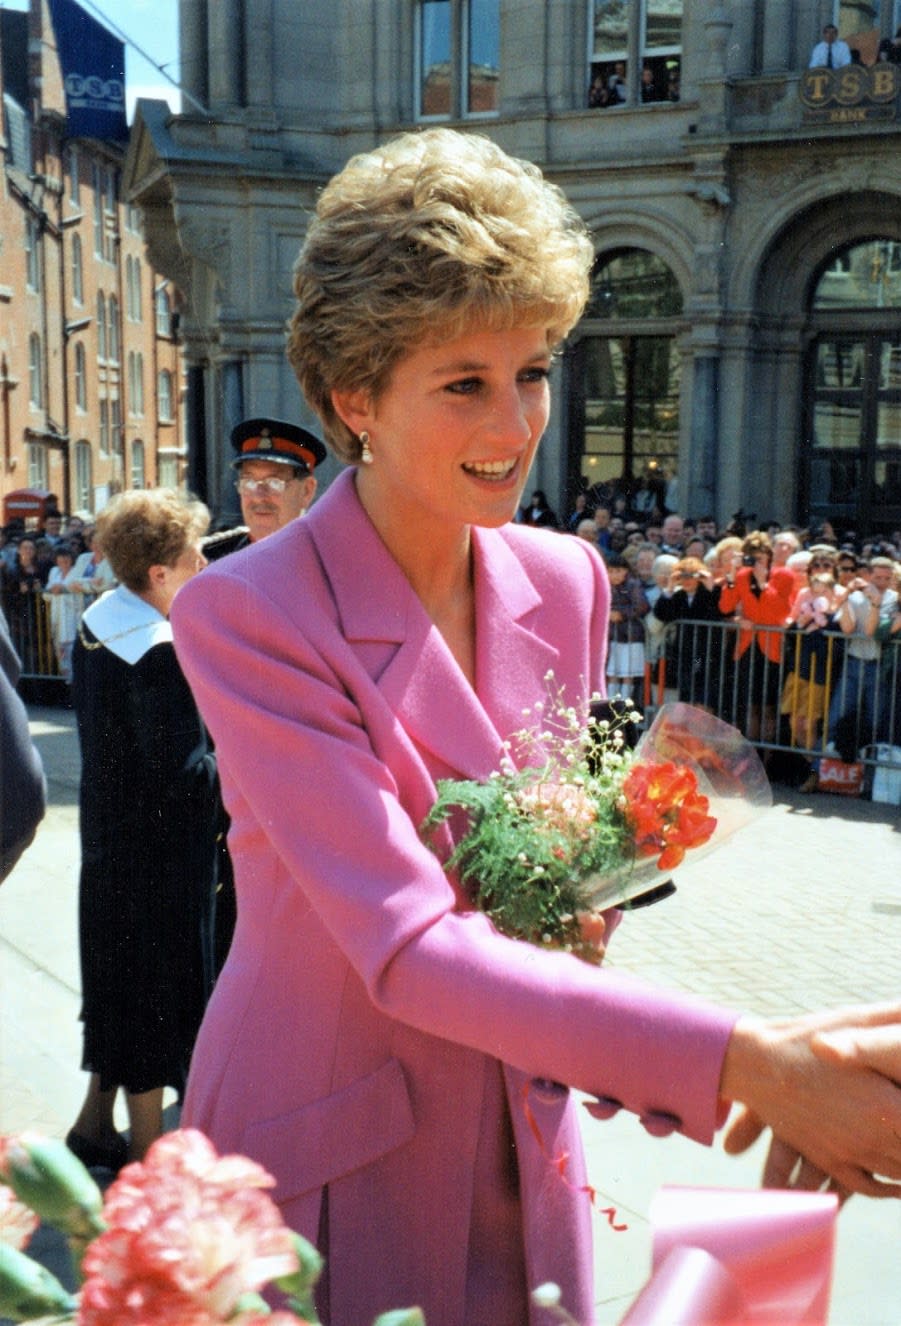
[336,1135]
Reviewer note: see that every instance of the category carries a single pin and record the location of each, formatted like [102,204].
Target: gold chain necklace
[98,644]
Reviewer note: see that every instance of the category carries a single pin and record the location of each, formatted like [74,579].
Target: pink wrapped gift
[737,1256]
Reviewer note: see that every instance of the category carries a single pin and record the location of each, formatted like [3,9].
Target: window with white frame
[137,293]
[167,467]
[83,476]
[72,174]
[35,372]
[32,253]
[163,313]
[77,270]
[111,216]
[458,58]
[104,428]
[164,395]
[97,190]
[101,326]
[81,378]
[138,476]
[38,466]
[112,329]
[635,52]
[117,436]
[136,382]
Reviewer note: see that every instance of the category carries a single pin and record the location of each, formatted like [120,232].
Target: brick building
[91,394]
[746,213]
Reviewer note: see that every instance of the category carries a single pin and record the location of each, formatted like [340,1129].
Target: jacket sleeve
[303,749]
[22,786]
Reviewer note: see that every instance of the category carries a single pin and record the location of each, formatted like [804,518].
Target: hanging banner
[93,68]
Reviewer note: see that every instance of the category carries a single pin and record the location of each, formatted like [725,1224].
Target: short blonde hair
[148,527]
[417,242]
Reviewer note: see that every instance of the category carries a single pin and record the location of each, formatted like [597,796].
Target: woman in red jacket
[760,597]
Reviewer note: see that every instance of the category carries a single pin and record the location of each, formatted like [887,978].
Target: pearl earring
[365,449]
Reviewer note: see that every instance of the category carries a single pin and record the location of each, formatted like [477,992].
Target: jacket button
[660,1124]
[604,1107]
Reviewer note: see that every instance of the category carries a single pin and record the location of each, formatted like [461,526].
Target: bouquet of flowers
[581,816]
[186,1238]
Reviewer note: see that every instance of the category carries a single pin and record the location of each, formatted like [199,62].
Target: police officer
[275,463]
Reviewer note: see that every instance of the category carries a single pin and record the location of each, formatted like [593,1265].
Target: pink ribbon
[737,1256]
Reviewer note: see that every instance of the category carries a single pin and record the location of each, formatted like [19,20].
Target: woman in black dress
[150,813]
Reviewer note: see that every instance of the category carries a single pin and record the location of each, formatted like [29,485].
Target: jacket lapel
[407,657]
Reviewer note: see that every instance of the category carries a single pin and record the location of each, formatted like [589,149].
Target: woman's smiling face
[454,433]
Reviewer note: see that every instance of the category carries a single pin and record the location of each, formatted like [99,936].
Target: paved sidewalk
[801,911]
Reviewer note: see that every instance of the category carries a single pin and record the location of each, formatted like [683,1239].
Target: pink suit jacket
[364,1013]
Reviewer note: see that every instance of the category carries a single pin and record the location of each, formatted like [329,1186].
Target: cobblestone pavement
[801,910]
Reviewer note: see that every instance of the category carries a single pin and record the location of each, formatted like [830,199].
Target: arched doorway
[852,453]
[626,375]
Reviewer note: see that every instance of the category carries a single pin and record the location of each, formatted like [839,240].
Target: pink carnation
[188,1233]
[17,1223]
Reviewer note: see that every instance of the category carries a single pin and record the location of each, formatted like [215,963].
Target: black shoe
[110,1155]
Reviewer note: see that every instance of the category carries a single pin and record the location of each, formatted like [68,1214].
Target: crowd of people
[812,612]
[48,577]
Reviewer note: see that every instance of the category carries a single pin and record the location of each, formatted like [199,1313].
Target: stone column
[195,418]
[225,44]
[192,38]
[700,493]
[231,377]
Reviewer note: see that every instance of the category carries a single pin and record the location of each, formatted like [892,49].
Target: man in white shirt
[831,52]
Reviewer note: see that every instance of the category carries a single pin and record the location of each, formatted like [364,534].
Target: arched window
[81,378]
[627,374]
[163,313]
[852,460]
[77,270]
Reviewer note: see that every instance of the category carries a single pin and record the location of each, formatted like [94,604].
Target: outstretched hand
[829,1087]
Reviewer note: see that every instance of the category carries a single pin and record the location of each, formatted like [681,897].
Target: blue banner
[93,67]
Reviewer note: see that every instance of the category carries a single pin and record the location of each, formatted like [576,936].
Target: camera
[748,560]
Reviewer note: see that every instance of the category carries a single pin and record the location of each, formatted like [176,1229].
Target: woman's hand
[829,1086]
[593,930]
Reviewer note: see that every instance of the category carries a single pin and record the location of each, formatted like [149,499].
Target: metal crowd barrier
[28,618]
[698,665]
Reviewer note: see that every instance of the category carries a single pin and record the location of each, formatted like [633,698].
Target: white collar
[126,625]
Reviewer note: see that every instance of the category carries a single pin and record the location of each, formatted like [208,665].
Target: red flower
[666,811]
[188,1233]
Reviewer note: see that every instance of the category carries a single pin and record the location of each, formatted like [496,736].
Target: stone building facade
[743,332]
[91,392]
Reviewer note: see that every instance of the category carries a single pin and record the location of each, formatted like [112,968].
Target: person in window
[372,1039]
[616,85]
[831,52]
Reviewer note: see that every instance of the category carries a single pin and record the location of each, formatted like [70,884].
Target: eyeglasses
[263,487]
[846,566]
[824,561]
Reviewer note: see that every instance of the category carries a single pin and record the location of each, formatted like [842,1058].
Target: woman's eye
[538,374]
[465,386]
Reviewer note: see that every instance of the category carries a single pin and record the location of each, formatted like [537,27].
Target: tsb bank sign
[850,95]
